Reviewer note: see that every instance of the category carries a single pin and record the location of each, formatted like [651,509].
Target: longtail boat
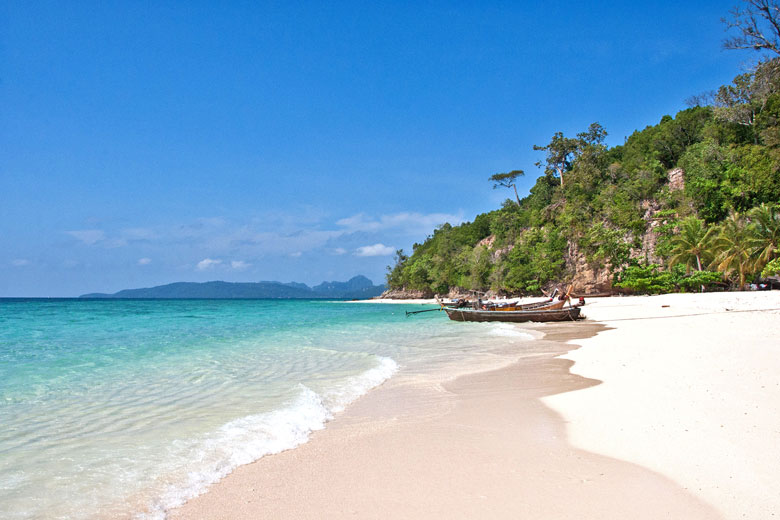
[518,316]
[543,305]
[546,310]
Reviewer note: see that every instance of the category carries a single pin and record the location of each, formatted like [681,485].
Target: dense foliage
[594,206]
[653,279]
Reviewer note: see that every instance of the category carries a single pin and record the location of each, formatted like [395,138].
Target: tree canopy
[507,180]
[603,206]
[617,209]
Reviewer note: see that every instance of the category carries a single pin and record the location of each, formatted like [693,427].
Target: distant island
[357,287]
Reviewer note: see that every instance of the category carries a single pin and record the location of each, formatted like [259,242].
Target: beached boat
[547,305]
[518,316]
[551,309]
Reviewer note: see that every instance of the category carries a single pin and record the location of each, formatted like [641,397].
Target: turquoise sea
[112,408]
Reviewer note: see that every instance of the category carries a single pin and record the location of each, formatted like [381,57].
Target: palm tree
[693,245]
[733,244]
[765,241]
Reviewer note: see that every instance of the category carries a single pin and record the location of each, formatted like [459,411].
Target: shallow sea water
[130,407]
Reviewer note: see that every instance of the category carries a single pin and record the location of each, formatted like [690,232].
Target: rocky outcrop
[488,241]
[676,179]
[459,293]
[405,294]
[588,277]
[646,252]
[495,254]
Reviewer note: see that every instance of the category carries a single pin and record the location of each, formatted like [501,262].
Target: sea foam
[247,439]
[508,330]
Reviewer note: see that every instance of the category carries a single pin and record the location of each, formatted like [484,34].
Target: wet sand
[483,445]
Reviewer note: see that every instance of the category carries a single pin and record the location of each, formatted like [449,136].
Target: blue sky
[144,143]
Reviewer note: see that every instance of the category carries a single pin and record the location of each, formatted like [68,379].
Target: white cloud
[20,262]
[207,263]
[375,250]
[248,239]
[407,221]
[283,236]
[88,236]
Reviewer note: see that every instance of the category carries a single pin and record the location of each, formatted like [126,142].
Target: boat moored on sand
[570,313]
[551,309]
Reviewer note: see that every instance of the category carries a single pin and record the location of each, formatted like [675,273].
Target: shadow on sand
[555,479]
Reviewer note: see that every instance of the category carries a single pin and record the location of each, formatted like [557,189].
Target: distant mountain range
[357,287]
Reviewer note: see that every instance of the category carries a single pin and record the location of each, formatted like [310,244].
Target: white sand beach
[690,389]
[668,412]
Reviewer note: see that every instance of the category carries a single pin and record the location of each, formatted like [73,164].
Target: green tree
[747,97]
[734,248]
[772,268]
[704,175]
[674,135]
[653,280]
[562,151]
[648,279]
[765,240]
[605,245]
[535,259]
[419,277]
[507,180]
[480,267]
[395,273]
[692,246]
[750,177]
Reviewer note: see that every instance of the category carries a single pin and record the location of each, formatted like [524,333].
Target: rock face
[495,253]
[649,238]
[588,278]
[460,293]
[405,294]
[594,278]
[676,179]
[487,241]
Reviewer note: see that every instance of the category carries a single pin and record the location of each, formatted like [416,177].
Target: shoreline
[424,449]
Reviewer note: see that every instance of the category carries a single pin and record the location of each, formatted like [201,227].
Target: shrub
[650,279]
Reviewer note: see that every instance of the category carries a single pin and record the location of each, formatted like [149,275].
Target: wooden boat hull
[567,314]
[536,306]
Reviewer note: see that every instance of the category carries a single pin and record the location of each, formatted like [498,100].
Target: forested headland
[689,203]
